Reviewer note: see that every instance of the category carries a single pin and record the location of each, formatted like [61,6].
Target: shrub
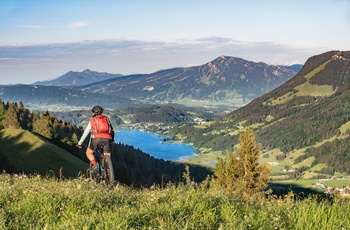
[242,171]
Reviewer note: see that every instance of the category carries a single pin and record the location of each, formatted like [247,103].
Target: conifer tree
[11,117]
[75,138]
[242,171]
[24,117]
[43,126]
[2,113]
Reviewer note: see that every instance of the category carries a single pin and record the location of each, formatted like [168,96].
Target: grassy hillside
[37,203]
[25,152]
[303,124]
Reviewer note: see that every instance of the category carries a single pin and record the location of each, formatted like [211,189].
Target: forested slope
[305,118]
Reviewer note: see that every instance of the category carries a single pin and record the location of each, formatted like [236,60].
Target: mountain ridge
[223,84]
[305,122]
[41,97]
[225,80]
[73,78]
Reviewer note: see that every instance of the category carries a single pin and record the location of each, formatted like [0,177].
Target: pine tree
[2,113]
[11,117]
[75,138]
[241,172]
[24,117]
[43,126]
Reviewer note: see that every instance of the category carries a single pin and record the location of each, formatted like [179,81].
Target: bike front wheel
[95,174]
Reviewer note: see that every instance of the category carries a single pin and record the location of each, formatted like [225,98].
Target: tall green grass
[37,202]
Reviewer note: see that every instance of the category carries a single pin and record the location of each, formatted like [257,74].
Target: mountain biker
[101,131]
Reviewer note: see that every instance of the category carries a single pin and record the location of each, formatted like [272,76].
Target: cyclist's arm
[87,131]
[112,130]
[110,124]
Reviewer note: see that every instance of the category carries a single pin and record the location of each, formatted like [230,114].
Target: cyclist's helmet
[97,110]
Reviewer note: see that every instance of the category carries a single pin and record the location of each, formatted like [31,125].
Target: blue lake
[151,144]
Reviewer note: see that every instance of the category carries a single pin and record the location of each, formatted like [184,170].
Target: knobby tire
[107,176]
[94,175]
[108,170]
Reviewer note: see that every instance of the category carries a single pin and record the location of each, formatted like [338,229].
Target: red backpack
[101,127]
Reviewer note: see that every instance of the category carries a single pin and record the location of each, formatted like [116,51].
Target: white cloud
[296,61]
[77,25]
[32,27]
[123,56]
[210,48]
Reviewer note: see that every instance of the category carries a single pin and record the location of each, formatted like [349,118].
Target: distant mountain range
[303,124]
[72,79]
[224,83]
[41,97]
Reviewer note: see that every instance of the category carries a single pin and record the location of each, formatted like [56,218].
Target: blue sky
[41,40]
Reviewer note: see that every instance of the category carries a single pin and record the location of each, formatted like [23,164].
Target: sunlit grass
[212,104]
[47,203]
[345,127]
[203,125]
[306,89]
[318,167]
[48,157]
[337,183]
[307,162]
[269,118]
[206,157]
[256,125]
[310,175]
[270,156]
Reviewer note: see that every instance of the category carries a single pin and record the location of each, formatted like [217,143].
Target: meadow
[36,202]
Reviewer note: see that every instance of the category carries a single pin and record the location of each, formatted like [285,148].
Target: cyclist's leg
[89,154]
[94,172]
[107,149]
[90,151]
[93,164]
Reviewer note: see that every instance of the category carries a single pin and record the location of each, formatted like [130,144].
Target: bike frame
[105,172]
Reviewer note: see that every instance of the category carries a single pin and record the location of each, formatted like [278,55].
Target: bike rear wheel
[108,173]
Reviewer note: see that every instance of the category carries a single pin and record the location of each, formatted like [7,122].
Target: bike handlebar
[81,146]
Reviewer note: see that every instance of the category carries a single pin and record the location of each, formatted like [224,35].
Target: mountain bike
[104,172]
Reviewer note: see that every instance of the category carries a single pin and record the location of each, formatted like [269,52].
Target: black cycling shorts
[95,141]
